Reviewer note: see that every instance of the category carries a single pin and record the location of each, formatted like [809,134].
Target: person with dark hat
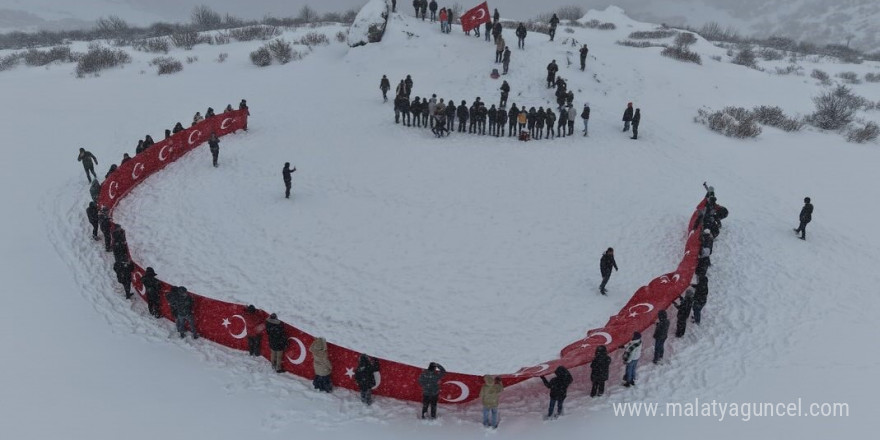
[599,371]
[182,304]
[805,217]
[558,389]
[606,263]
[254,327]
[632,351]
[151,287]
[277,342]
[365,377]
[429,380]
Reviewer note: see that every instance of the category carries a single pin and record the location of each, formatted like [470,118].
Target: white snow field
[476,252]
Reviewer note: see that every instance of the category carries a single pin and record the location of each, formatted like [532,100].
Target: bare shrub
[770,54]
[152,45]
[222,38]
[9,61]
[775,117]
[652,35]
[872,77]
[745,57]
[222,57]
[712,31]
[314,39]
[166,65]
[849,77]
[735,122]
[570,13]
[596,24]
[790,69]
[190,60]
[349,15]
[111,27]
[281,50]
[258,32]
[716,57]
[99,58]
[261,57]
[835,109]
[639,44]
[307,14]
[822,76]
[341,37]
[682,55]
[185,39]
[34,57]
[867,133]
[205,18]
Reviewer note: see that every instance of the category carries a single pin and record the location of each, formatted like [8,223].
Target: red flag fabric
[475,17]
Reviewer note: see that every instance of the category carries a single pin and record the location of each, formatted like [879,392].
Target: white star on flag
[349,372]
[226,322]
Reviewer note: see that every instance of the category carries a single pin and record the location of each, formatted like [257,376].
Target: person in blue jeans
[558,389]
[489,394]
[661,331]
[632,351]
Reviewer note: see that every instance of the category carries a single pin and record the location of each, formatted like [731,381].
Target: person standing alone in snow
[214,146]
[606,263]
[285,174]
[89,161]
[627,116]
[521,36]
[505,60]
[584,51]
[805,217]
[429,380]
[554,21]
[385,86]
[585,116]
[632,351]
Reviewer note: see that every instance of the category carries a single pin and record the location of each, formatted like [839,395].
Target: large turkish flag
[475,17]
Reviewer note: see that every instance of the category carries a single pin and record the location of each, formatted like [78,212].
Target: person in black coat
[521,33]
[505,91]
[505,60]
[123,271]
[433,8]
[492,115]
[584,51]
[511,119]
[214,146]
[606,263]
[554,21]
[364,376]
[684,305]
[277,341]
[462,113]
[558,389]
[106,225]
[599,371]
[385,86]
[148,142]
[661,332]
[701,296]
[89,161]
[627,116]
[288,180]
[243,106]
[178,127]
[92,215]
[501,120]
[552,68]
[450,115]
[806,216]
[151,287]
[637,117]
[209,113]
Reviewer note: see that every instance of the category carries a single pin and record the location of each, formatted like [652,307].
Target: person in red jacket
[255,327]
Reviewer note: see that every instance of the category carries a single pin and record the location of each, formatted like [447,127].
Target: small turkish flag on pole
[475,17]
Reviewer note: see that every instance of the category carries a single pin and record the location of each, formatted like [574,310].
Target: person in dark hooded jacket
[701,296]
[599,371]
[606,263]
[178,127]
[552,68]
[627,116]
[511,120]
[95,190]
[462,113]
[661,331]
[254,327]
[106,225]
[112,169]
[501,120]
[182,306]
[214,146]
[277,341]
[123,271]
[151,287]
[384,86]
[288,180]
[429,380]
[805,217]
[637,118]
[450,115]
[148,142]
[521,33]
[92,215]
[684,306]
[554,21]
[558,389]
[365,377]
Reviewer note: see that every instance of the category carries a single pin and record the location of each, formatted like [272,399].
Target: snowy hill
[477,252]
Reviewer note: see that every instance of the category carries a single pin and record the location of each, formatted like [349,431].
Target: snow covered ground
[476,252]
